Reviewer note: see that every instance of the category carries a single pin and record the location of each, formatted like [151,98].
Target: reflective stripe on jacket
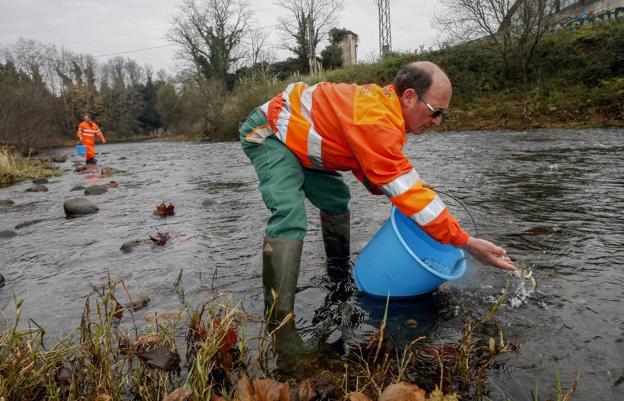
[87,132]
[359,128]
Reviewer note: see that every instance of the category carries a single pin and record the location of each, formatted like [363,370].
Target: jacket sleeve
[379,151]
[79,132]
[99,133]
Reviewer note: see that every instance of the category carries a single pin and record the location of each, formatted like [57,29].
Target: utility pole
[385,37]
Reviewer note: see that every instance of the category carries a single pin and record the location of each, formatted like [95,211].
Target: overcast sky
[102,27]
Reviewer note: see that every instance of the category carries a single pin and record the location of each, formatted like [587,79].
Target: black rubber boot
[336,229]
[280,270]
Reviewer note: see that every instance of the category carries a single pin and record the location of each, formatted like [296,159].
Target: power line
[169,45]
[134,51]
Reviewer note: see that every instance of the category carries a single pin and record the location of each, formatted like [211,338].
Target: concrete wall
[569,8]
[349,49]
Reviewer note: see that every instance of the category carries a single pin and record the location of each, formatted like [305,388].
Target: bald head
[421,76]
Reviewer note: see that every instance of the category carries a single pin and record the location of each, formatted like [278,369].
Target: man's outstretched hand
[489,253]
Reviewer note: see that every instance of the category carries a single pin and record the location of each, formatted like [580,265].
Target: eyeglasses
[435,112]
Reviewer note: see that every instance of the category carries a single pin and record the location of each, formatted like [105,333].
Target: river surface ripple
[553,198]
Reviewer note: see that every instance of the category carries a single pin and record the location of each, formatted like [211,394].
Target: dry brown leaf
[305,391]
[147,340]
[164,210]
[244,392]
[118,310]
[357,396]
[216,397]
[161,239]
[179,394]
[102,397]
[270,390]
[403,392]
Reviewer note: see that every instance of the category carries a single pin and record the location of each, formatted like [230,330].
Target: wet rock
[38,188]
[6,202]
[129,246]
[113,184]
[79,206]
[95,190]
[40,181]
[7,234]
[209,202]
[108,171]
[78,188]
[161,358]
[27,223]
[123,158]
[59,159]
[2,280]
[80,168]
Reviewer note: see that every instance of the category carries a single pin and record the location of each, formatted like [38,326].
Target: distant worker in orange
[87,130]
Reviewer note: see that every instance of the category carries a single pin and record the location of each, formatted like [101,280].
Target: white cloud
[104,27]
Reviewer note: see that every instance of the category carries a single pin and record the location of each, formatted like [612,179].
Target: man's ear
[408,96]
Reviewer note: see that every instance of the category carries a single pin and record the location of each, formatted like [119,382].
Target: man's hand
[103,140]
[489,253]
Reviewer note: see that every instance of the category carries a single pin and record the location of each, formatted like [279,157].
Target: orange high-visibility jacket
[87,132]
[360,128]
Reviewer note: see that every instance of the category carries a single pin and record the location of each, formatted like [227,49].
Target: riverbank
[15,168]
[107,359]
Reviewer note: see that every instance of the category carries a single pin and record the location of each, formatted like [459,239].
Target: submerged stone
[27,223]
[38,188]
[7,234]
[79,206]
[40,181]
[6,202]
[78,188]
[95,190]
[129,246]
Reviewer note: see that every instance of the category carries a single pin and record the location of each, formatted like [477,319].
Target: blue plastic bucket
[401,260]
[81,150]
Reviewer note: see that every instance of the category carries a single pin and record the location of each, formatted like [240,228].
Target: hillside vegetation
[576,80]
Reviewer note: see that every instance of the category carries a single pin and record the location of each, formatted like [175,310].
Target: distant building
[348,45]
[574,12]
[576,8]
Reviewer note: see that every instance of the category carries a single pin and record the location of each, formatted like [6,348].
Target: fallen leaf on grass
[403,392]
[244,392]
[179,394]
[216,397]
[357,396]
[230,337]
[102,397]
[305,391]
[164,210]
[270,390]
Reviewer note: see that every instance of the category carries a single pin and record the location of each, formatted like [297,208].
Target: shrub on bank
[15,168]
[575,80]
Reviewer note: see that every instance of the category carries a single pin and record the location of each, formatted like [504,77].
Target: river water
[553,198]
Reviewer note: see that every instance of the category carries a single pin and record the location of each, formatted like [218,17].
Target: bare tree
[259,57]
[308,23]
[210,34]
[515,26]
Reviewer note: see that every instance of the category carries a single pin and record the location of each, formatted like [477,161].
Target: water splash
[526,285]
